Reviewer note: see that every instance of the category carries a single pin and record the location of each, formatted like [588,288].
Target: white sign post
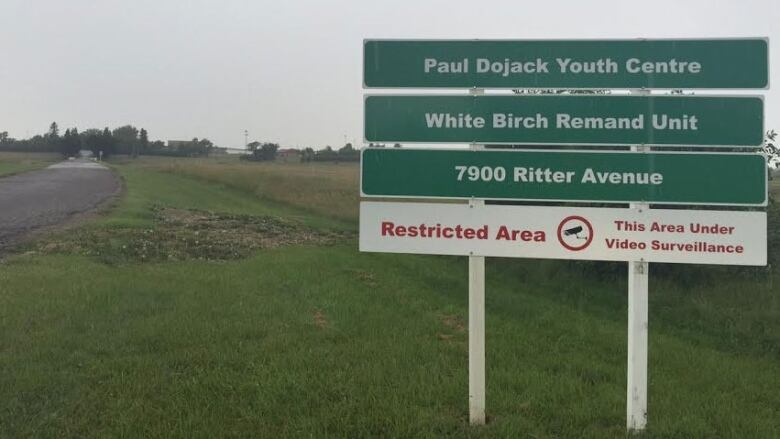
[636,400]
[477,339]
[636,366]
[477,391]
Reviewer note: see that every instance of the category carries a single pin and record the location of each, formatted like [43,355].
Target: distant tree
[108,143]
[771,150]
[4,137]
[53,137]
[54,131]
[194,148]
[143,140]
[307,155]
[205,146]
[92,139]
[327,154]
[260,152]
[268,151]
[71,143]
[770,147]
[348,154]
[126,138]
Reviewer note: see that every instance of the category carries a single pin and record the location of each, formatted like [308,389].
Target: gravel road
[51,196]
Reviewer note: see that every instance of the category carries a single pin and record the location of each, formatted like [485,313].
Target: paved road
[50,196]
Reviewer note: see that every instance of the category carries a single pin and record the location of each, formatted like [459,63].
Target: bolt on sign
[736,63]
[711,121]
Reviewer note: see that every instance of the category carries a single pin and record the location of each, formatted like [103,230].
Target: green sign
[686,64]
[567,120]
[589,176]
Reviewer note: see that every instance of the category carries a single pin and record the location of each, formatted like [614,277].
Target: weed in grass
[320,320]
[181,234]
[454,322]
[366,277]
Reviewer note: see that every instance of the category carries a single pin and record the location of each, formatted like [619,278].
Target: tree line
[127,140]
[268,151]
[344,154]
[347,153]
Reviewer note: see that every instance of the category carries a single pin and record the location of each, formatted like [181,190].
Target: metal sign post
[636,402]
[636,382]
[476,323]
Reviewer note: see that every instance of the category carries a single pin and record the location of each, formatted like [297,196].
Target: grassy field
[218,300]
[329,189]
[16,162]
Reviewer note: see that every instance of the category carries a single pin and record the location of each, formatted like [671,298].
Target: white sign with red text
[606,234]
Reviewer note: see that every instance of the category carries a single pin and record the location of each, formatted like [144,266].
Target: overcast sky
[287,71]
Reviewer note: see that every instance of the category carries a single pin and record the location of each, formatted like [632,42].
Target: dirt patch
[320,320]
[181,234]
[365,277]
[454,322]
[454,332]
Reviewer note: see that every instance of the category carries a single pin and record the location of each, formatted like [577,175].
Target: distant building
[288,155]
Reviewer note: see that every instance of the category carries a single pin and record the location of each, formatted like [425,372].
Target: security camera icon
[574,231]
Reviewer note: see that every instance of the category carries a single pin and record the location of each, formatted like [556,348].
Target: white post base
[477,340]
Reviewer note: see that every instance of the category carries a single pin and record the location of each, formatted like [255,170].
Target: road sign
[685,64]
[605,234]
[567,119]
[586,176]
[638,234]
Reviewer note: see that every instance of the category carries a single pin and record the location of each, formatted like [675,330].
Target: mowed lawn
[314,339]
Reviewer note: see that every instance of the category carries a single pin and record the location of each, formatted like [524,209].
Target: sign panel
[685,64]
[606,234]
[567,119]
[589,176]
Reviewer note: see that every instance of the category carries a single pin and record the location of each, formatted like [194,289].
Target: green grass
[325,189]
[322,341]
[150,187]
[17,162]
